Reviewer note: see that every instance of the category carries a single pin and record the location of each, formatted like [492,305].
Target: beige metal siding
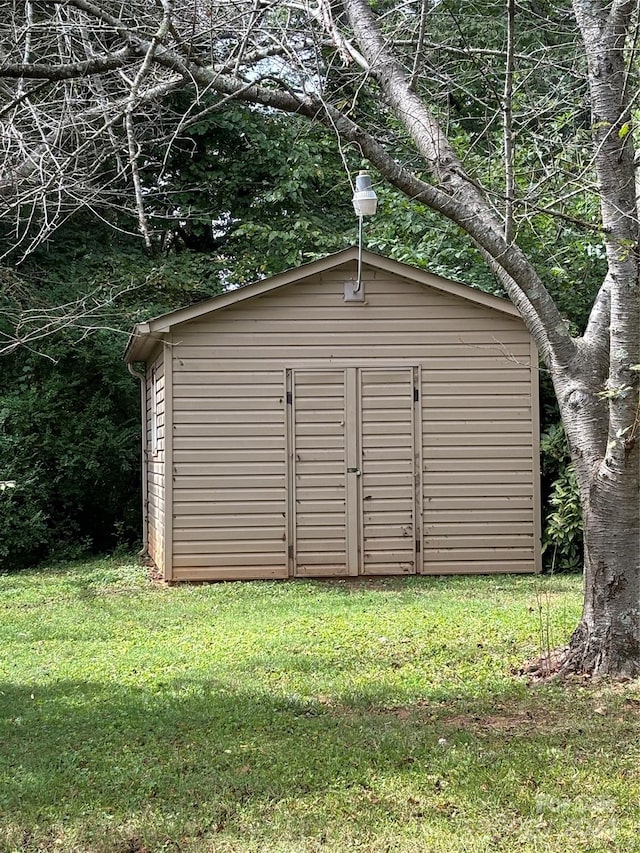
[389,469]
[229,496]
[318,482]
[354,469]
[155,450]
[231,516]
[478,448]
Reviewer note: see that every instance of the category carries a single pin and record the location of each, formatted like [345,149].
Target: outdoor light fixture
[365,202]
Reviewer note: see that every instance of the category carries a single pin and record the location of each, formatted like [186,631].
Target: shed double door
[354,471]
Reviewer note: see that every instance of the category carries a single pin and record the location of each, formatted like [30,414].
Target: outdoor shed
[302,426]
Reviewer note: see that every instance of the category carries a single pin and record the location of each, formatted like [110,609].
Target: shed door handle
[355,471]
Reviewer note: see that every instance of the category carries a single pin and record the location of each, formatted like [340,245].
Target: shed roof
[145,335]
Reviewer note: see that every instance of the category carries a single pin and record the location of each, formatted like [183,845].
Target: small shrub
[562,541]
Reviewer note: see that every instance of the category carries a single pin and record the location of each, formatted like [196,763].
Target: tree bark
[602,422]
[607,639]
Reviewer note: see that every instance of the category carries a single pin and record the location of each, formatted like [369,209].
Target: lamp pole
[365,202]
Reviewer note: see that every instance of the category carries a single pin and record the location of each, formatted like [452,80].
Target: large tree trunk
[607,640]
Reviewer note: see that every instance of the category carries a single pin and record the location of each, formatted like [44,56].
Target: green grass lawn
[303,716]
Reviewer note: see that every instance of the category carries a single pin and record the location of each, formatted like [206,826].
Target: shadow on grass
[204,751]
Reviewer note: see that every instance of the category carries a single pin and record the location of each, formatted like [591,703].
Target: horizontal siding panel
[456,498]
[422,306]
[477,478]
[318,416]
[506,463]
[372,404]
[205,372]
[387,503]
[383,381]
[314,506]
[309,533]
[200,525]
[500,384]
[482,452]
[382,527]
[306,559]
[390,493]
[231,548]
[387,543]
[378,432]
[390,446]
[190,572]
[477,554]
[321,552]
[503,517]
[457,439]
[476,541]
[384,418]
[320,520]
[272,355]
[243,420]
[244,449]
[381,462]
[317,391]
[402,557]
[240,483]
[479,567]
[333,464]
[384,481]
[397,521]
[221,534]
[184,506]
[329,380]
[314,404]
[229,560]
[293,338]
[309,429]
[240,497]
[224,404]
[329,442]
[393,457]
[469,427]
[201,387]
[207,425]
[317,571]
[314,482]
[484,490]
[381,569]
[376,320]
[507,413]
[223,470]
[478,401]
[446,364]
[488,527]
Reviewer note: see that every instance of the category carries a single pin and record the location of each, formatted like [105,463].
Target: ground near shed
[303,716]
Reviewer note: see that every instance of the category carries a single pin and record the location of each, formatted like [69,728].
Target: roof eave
[142,341]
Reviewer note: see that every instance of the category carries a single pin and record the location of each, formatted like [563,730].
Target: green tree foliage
[68,439]
[69,409]
[261,192]
[239,194]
